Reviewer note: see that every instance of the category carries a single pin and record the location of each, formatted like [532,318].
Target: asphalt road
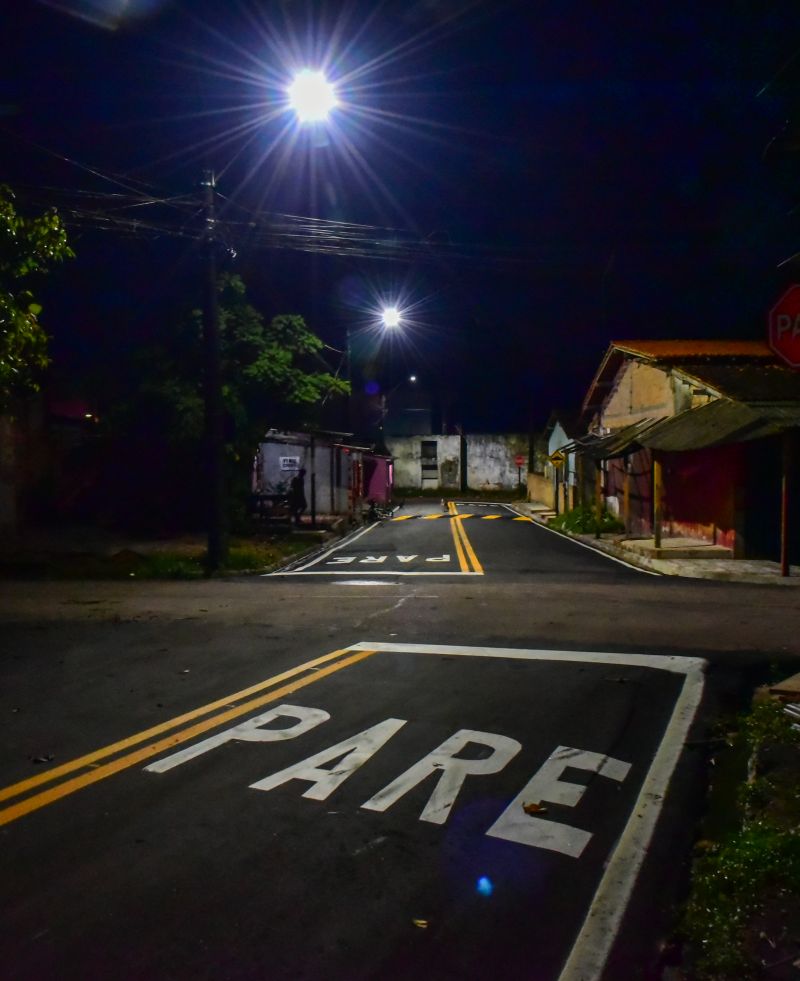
[447,747]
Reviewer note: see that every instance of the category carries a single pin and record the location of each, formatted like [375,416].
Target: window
[429,449]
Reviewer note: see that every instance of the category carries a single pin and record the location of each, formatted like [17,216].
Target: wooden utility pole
[786,464]
[598,495]
[214,412]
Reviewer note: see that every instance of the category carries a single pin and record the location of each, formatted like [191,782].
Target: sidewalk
[725,570]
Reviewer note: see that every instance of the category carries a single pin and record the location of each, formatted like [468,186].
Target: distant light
[485,887]
[312,96]
[391,317]
[412,378]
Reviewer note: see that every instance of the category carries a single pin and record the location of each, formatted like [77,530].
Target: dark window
[428,453]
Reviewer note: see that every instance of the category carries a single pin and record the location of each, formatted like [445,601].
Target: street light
[312,96]
[391,317]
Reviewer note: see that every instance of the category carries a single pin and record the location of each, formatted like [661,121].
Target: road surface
[452,745]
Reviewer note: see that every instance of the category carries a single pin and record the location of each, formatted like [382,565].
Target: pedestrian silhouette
[297,496]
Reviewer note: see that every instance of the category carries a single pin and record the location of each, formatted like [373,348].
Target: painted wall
[490,461]
[640,391]
[408,461]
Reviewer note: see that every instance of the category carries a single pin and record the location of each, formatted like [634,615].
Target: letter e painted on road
[545,785]
[355,752]
[250,731]
[452,770]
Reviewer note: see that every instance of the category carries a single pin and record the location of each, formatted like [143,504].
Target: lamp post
[311,97]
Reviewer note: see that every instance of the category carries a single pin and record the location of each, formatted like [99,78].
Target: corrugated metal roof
[764,382]
[695,350]
[718,422]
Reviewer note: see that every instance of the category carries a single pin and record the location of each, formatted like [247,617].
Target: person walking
[297,496]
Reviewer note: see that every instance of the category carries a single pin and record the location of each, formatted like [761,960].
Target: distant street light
[312,96]
[391,317]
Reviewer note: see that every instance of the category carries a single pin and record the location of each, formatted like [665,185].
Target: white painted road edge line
[597,551]
[596,937]
[345,541]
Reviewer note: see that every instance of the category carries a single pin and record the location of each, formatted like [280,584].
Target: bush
[583,521]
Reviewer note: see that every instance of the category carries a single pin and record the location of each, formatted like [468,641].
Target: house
[553,480]
[340,477]
[694,439]
[479,461]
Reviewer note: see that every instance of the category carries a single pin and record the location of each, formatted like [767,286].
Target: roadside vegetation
[174,560]
[583,521]
[742,917]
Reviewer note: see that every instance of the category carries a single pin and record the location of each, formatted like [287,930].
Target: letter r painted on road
[514,824]
[250,731]
[452,770]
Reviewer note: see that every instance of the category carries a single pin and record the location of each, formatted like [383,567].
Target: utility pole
[214,417]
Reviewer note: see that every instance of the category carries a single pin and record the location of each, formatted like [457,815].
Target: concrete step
[677,548]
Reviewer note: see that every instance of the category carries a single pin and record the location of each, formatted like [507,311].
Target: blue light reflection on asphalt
[485,887]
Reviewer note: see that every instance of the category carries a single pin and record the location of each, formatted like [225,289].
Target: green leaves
[28,246]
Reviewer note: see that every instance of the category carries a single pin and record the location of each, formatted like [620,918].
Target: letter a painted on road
[356,751]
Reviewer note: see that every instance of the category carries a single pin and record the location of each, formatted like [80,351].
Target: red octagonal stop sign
[784,327]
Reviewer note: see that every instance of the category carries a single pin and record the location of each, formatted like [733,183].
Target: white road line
[596,937]
[371,572]
[597,551]
[324,555]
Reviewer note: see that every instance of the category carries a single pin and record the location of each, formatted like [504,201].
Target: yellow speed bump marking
[404,517]
[523,519]
[98,773]
[491,517]
[433,517]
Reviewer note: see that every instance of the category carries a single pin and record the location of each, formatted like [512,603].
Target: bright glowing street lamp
[312,96]
[391,317]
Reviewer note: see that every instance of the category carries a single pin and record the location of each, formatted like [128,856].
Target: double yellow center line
[467,559]
[89,770]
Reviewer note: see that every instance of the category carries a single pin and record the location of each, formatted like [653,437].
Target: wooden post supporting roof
[658,498]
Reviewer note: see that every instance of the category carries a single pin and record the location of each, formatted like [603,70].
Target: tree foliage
[28,247]
[273,375]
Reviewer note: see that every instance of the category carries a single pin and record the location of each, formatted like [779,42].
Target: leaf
[534,808]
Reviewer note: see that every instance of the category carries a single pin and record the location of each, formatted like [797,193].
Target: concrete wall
[490,461]
[408,461]
[640,391]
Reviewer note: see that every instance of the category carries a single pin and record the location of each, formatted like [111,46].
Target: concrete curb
[682,568]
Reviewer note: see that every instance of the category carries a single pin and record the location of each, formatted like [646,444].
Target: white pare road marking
[514,824]
[380,559]
[352,754]
[452,773]
[250,731]
[444,761]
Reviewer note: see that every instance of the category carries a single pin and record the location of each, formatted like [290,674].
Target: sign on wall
[290,462]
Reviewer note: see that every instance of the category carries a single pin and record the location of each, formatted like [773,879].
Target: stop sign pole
[783,335]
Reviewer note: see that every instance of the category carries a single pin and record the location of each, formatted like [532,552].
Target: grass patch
[744,906]
[175,561]
[583,521]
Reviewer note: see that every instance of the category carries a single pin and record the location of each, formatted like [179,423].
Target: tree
[273,376]
[28,247]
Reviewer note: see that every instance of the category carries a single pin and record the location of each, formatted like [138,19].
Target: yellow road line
[46,797]
[47,776]
[460,534]
[462,559]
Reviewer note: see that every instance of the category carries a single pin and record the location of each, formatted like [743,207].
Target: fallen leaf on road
[534,808]
[43,759]
[422,924]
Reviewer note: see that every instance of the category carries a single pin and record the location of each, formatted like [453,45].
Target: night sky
[560,174]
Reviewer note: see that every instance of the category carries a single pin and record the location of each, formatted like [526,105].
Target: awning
[619,443]
[718,422]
